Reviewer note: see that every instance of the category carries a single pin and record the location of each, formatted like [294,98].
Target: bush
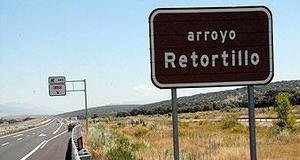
[27,118]
[275,129]
[12,121]
[137,145]
[122,150]
[98,138]
[203,122]
[238,129]
[183,124]
[2,121]
[229,121]
[141,131]
[291,121]
[119,153]
[282,107]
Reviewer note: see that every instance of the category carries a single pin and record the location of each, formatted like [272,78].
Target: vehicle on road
[72,122]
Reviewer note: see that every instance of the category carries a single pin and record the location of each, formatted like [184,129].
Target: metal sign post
[85,100]
[175,124]
[252,122]
[57,87]
[85,103]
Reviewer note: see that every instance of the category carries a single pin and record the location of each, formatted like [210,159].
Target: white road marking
[4,144]
[19,139]
[30,153]
[42,135]
[33,133]
[52,139]
[57,129]
[28,135]
[18,135]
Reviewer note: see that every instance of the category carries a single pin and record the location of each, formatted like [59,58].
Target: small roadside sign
[57,80]
[57,90]
[57,86]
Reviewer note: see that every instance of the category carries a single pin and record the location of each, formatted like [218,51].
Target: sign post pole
[85,104]
[252,122]
[175,123]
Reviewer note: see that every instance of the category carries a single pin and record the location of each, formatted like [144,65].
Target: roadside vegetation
[13,125]
[201,137]
[15,120]
[286,119]
[224,101]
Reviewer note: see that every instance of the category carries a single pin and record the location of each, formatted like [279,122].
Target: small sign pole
[85,99]
[86,112]
[252,122]
[175,123]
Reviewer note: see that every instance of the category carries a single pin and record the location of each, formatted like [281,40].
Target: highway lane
[44,142]
[55,149]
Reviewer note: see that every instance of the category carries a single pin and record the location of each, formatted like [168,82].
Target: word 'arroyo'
[221,35]
[235,58]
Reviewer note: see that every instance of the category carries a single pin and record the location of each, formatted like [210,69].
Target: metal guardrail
[76,133]
[78,152]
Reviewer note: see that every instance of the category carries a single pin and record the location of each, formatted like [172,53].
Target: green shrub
[141,131]
[291,121]
[203,122]
[183,124]
[98,138]
[275,129]
[226,109]
[229,121]
[282,107]
[238,129]
[123,150]
[119,153]
[196,116]
[136,145]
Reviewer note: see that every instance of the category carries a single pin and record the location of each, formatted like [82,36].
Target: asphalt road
[47,142]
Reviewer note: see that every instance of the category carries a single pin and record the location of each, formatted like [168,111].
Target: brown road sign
[200,47]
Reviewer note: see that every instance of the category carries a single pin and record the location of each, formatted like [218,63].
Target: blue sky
[107,43]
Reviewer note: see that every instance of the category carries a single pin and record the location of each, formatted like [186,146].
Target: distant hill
[101,111]
[222,100]
[15,109]
[225,100]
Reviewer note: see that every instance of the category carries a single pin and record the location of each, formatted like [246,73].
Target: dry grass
[6,129]
[198,140]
